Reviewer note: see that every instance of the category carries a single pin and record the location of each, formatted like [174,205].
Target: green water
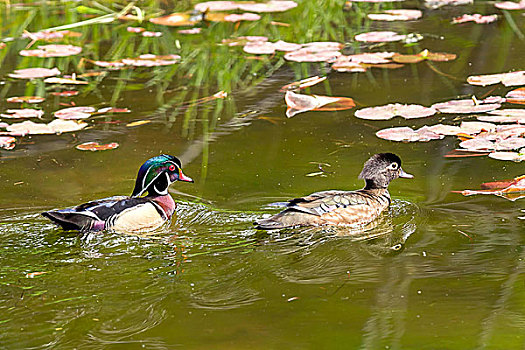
[440,271]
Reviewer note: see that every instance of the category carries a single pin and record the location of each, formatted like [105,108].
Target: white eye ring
[393,166]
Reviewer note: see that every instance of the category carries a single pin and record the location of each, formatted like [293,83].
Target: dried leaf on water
[391,110]
[242,17]
[477,18]
[396,15]
[25,99]
[95,146]
[302,84]
[299,103]
[34,73]
[511,190]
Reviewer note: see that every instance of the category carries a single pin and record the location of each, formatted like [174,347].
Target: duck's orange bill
[183,177]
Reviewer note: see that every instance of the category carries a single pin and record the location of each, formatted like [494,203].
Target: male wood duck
[137,213]
[345,208]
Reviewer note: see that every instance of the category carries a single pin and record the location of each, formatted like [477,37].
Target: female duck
[129,214]
[347,208]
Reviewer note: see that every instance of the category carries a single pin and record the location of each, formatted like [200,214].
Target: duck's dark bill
[405,175]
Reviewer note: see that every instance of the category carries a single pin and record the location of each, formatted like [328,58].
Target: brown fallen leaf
[514,191]
[95,146]
[298,103]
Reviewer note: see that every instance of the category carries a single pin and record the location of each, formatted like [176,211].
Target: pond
[439,271]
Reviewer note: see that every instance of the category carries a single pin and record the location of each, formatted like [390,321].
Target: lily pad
[50,35]
[478,144]
[270,6]
[53,51]
[95,146]
[259,48]
[510,5]
[448,130]
[406,134]
[57,126]
[34,73]
[311,55]
[379,36]
[7,142]
[508,79]
[424,55]
[512,156]
[472,128]
[242,17]
[516,96]
[190,31]
[465,106]
[75,113]
[477,18]
[391,110]
[25,99]
[69,81]
[65,93]
[23,113]
[396,15]
[504,116]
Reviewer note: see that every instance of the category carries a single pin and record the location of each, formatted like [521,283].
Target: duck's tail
[69,220]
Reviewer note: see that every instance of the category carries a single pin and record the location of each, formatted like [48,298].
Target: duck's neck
[166,203]
[376,184]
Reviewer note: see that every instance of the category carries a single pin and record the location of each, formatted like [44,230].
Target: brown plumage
[348,208]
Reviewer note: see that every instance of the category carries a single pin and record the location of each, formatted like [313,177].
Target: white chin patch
[164,191]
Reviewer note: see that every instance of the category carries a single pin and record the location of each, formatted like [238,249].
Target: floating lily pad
[380,36]
[477,18]
[112,110]
[23,113]
[510,5]
[69,81]
[135,29]
[396,15]
[270,6]
[179,19]
[512,156]
[504,116]
[57,126]
[465,106]
[34,73]
[508,79]
[286,47]
[75,113]
[65,93]
[148,34]
[53,51]
[7,142]
[25,99]
[311,55]
[391,110]
[50,35]
[298,103]
[242,17]
[259,48]
[95,146]
[472,128]
[478,145]
[190,31]
[424,55]
[516,96]
[406,134]
[442,129]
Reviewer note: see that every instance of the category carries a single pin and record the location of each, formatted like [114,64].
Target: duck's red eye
[172,167]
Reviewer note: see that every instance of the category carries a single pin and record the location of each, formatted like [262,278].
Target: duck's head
[157,174]
[382,168]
